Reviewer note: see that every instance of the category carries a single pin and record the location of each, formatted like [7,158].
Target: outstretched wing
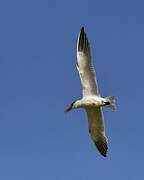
[85,67]
[97,129]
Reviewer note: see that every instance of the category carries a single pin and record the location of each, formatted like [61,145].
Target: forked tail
[111,100]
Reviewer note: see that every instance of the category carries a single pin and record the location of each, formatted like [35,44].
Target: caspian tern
[92,102]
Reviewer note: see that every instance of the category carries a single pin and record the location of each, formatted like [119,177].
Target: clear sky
[38,79]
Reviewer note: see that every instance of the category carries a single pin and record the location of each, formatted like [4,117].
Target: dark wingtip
[102,147]
[81,40]
[82,28]
[104,155]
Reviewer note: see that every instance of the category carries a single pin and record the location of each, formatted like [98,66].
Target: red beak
[68,109]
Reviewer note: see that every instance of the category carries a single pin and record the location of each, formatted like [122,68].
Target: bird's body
[92,102]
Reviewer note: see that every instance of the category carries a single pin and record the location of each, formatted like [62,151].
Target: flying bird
[91,101]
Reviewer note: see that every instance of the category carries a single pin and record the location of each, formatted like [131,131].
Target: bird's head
[70,107]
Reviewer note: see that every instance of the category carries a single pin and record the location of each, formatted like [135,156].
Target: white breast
[92,101]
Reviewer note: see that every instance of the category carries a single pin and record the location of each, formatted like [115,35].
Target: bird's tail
[111,100]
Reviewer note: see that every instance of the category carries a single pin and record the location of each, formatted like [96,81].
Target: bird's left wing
[97,129]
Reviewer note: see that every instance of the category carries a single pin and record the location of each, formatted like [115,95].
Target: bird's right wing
[97,129]
[84,66]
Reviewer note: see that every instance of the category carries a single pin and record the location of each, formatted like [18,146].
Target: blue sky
[38,79]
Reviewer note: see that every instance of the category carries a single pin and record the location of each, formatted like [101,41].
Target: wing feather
[97,129]
[85,66]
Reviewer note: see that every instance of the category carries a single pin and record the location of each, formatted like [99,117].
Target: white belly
[91,102]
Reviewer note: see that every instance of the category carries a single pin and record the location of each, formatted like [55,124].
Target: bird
[91,101]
